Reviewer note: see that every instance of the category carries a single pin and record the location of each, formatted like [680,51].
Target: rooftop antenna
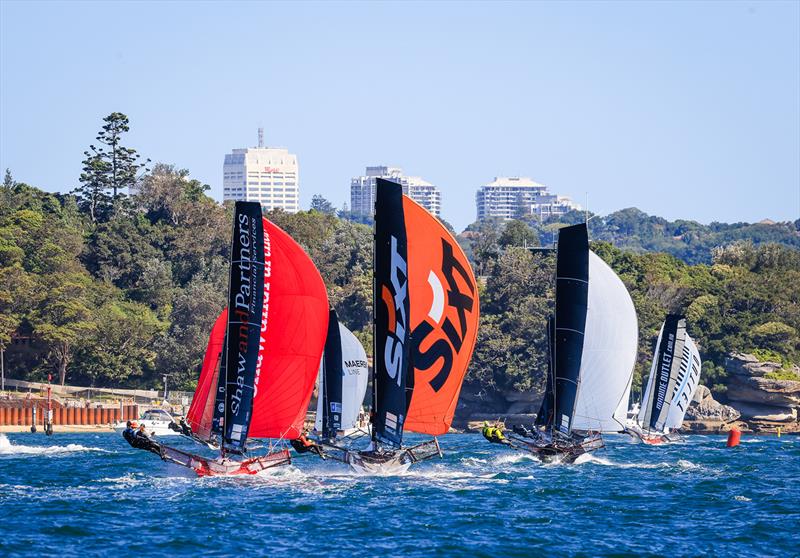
[260,137]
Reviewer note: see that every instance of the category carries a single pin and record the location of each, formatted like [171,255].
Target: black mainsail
[391,318]
[674,377]
[572,293]
[245,304]
[333,374]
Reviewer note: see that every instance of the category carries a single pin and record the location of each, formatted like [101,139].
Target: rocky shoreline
[753,403]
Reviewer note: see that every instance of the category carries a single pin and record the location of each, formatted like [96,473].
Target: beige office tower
[264,174]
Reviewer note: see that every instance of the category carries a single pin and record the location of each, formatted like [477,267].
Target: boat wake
[512,458]
[7,448]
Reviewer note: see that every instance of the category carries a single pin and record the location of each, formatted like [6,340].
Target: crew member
[129,433]
[185,428]
[493,434]
[143,441]
[304,445]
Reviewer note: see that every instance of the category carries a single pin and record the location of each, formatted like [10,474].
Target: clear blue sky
[685,110]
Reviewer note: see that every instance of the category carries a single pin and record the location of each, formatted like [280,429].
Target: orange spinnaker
[444,314]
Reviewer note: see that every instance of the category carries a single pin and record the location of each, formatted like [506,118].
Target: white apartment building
[264,174]
[362,190]
[512,197]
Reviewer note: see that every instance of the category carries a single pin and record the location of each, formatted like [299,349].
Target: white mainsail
[609,352]
[354,380]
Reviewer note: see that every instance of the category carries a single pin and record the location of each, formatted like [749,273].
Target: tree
[8,180]
[517,233]
[111,166]
[63,319]
[321,205]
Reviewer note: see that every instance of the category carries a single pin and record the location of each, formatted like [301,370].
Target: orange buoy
[734,436]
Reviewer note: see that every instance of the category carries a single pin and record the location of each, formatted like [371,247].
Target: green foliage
[692,242]
[785,372]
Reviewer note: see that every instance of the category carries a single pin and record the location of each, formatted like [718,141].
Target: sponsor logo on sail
[448,334]
[395,301]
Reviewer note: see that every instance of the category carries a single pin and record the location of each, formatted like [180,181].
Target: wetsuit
[304,445]
[129,434]
[143,441]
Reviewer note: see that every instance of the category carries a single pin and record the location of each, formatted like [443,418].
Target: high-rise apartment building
[264,174]
[362,190]
[515,197]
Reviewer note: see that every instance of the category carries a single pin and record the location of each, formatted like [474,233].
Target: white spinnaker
[354,382]
[648,392]
[688,382]
[609,352]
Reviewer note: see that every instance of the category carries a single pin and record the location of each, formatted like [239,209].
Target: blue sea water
[93,495]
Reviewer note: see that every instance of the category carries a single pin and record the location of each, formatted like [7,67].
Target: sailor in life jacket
[493,434]
[129,433]
[304,445]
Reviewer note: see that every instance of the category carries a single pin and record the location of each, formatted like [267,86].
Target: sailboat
[592,344]
[342,385]
[261,362]
[425,326]
[674,377]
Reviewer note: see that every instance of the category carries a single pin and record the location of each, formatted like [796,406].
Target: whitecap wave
[7,448]
[511,458]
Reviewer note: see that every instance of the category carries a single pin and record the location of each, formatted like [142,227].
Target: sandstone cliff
[765,403]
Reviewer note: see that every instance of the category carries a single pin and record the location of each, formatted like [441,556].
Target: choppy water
[91,494]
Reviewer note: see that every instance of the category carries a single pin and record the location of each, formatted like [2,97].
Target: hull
[205,467]
[382,462]
[548,450]
[652,438]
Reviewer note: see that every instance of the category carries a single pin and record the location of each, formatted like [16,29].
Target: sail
[343,371]
[687,380]
[655,405]
[608,354]
[201,411]
[329,400]
[572,291]
[545,415]
[391,315]
[427,317]
[674,377]
[246,301]
[291,338]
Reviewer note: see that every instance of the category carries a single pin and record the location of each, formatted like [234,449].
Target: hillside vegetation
[108,290]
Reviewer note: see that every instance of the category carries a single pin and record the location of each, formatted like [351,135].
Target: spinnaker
[261,361]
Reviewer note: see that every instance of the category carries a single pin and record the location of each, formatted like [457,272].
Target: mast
[373,406]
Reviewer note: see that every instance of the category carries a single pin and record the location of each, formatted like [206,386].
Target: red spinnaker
[293,330]
[201,411]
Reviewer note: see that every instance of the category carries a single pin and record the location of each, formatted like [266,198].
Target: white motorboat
[156,422]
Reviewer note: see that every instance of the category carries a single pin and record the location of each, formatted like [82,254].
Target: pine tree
[111,166]
[8,180]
